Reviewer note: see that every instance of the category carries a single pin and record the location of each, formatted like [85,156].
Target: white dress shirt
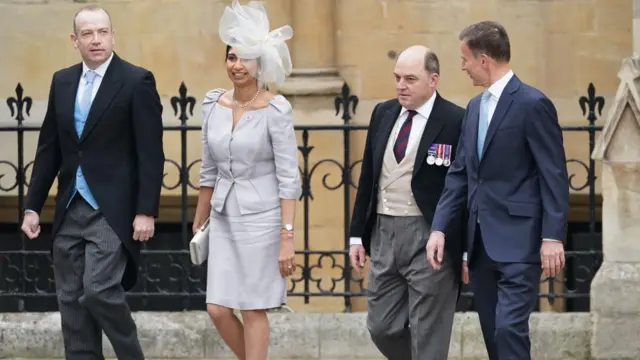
[417,128]
[495,90]
[100,71]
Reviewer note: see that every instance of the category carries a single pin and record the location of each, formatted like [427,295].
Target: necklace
[235,102]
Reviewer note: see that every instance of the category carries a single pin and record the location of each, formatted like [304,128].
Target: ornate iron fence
[168,281]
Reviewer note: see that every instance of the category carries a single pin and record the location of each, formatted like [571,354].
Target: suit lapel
[110,86]
[69,92]
[474,118]
[435,123]
[380,144]
[506,99]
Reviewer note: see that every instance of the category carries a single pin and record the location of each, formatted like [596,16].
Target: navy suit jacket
[518,193]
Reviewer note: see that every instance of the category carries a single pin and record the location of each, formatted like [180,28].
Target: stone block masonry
[190,335]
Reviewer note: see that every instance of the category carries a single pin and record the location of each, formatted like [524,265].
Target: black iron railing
[168,281]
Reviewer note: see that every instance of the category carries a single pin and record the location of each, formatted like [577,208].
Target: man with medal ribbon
[410,305]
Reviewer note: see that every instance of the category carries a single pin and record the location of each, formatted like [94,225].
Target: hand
[465,272]
[357,257]
[552,256]
[31,225]
[287,258]
[197,224]
[143,227]
[435,249]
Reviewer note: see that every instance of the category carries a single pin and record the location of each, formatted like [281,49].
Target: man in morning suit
[409,147]
[510,168]
[103,133]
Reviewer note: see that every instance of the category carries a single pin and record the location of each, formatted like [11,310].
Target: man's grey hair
[89,8]
[431,62]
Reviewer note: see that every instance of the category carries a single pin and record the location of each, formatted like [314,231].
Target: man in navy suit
[510,166]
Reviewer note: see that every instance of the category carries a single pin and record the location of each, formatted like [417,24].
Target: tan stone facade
[559,46]
[618,150]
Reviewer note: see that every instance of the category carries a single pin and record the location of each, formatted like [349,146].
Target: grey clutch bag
[199,244]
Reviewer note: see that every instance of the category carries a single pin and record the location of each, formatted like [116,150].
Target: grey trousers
[410,305]
[88,263]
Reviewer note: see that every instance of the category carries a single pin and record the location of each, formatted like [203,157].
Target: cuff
[289,192]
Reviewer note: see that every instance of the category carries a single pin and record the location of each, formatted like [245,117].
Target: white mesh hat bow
[246,29]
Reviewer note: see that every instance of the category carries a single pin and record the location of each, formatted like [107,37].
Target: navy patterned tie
[400,147]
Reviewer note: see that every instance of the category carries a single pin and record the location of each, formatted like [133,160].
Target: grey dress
[251,168]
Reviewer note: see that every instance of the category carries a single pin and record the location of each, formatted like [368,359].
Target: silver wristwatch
[287,227]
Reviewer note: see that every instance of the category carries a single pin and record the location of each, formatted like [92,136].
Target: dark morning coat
[443,127]
[120,150]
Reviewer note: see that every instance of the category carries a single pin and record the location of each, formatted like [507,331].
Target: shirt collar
[100,70]
[497,87]
[425,109]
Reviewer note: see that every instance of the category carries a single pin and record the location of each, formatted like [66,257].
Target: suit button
[80,153]
[475,209]
[480,181]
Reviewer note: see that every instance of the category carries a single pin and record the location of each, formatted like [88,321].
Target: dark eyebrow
[408,75]
[89,30]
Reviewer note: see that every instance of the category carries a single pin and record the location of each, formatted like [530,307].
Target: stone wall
[293,335]
[559,46]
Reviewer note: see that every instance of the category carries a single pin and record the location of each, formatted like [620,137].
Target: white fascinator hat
[246,29]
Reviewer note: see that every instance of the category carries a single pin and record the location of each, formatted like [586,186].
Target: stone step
[344,336]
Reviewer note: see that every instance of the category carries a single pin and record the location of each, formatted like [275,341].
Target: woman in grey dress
[249,185]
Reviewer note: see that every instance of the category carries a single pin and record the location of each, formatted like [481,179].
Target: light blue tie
[483,122]
[85,104]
